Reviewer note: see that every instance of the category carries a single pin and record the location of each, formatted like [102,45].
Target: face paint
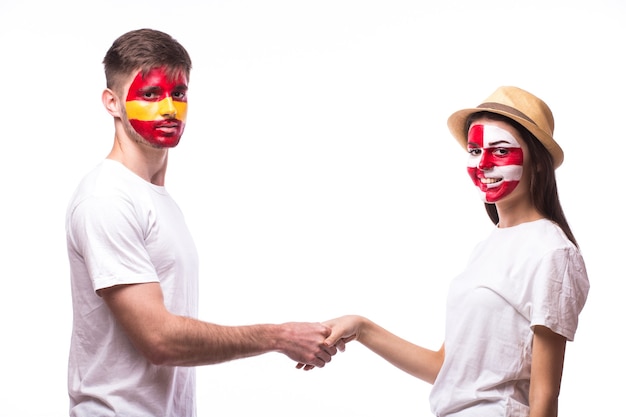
[156,107]
[495,161]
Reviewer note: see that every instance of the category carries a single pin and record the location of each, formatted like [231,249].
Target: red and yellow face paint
[496,161]
[156,107]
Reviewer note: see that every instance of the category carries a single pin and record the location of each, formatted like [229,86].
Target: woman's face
[496,158]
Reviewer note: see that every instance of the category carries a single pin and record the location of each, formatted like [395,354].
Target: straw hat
[519,105]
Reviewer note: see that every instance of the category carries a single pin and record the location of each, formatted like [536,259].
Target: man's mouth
[167,127]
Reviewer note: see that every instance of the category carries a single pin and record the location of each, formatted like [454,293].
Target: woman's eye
[501,152]
[474,151]
[178,95]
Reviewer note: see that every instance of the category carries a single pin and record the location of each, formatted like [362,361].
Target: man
[133,263]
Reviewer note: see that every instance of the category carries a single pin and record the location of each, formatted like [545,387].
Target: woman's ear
[111,102]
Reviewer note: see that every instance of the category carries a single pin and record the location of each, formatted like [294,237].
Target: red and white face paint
[495,161]
[156,107]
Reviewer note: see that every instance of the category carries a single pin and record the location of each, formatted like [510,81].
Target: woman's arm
[420,362]
[546,371]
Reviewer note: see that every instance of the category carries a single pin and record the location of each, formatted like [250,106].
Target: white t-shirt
[124,230]
[519,277]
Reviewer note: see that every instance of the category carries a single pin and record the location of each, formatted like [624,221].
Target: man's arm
[167,339]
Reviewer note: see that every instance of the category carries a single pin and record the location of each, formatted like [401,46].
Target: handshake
[313,345]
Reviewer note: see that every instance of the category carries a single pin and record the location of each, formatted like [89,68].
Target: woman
[510,313]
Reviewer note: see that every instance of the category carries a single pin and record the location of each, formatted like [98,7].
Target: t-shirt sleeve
[108,234]
[560,291]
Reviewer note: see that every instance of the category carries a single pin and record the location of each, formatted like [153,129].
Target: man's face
[495,160]
[156,107]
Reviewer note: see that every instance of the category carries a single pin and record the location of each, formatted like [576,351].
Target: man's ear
[111,102]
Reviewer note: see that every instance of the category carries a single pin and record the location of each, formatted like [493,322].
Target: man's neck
[147,162]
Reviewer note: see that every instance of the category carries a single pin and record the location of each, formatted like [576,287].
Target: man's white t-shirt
[518,278]
[124,230]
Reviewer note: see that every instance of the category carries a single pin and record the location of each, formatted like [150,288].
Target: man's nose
[167,108]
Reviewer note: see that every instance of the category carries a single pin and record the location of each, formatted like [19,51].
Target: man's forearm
[183,341]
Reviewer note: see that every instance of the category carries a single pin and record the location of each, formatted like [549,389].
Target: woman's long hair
[543,190]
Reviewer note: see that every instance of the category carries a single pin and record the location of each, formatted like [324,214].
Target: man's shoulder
[107,178]
[105,182]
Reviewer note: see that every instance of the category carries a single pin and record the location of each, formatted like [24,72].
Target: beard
[134,135]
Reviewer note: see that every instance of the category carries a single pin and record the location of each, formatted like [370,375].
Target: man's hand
[340,331]
[304,343]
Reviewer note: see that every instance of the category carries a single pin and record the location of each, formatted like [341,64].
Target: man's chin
[163,143]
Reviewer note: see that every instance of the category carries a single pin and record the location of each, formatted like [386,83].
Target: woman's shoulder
[537,237]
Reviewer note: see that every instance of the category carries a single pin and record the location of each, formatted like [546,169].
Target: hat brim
[458,119]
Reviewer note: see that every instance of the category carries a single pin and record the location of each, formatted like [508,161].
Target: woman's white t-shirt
[518,278]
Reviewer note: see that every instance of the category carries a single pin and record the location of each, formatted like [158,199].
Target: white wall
[317,174]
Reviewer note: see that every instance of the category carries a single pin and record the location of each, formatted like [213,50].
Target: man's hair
[144,49]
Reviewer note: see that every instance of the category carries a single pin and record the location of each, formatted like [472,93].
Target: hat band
[508,109]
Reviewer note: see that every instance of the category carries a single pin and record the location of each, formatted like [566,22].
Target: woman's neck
[514,213]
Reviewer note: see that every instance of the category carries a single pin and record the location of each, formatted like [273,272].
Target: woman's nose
[485,162]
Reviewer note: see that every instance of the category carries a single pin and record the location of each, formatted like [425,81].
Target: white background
[317,175]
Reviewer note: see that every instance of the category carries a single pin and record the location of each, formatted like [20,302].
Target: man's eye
[474,151]
[150,94]
[178,95]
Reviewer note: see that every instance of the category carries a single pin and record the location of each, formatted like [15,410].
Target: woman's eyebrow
[498,142]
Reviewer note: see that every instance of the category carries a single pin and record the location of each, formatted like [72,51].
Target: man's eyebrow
[150,89]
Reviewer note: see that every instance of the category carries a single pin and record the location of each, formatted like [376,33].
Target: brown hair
[543,190]
[144,49]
